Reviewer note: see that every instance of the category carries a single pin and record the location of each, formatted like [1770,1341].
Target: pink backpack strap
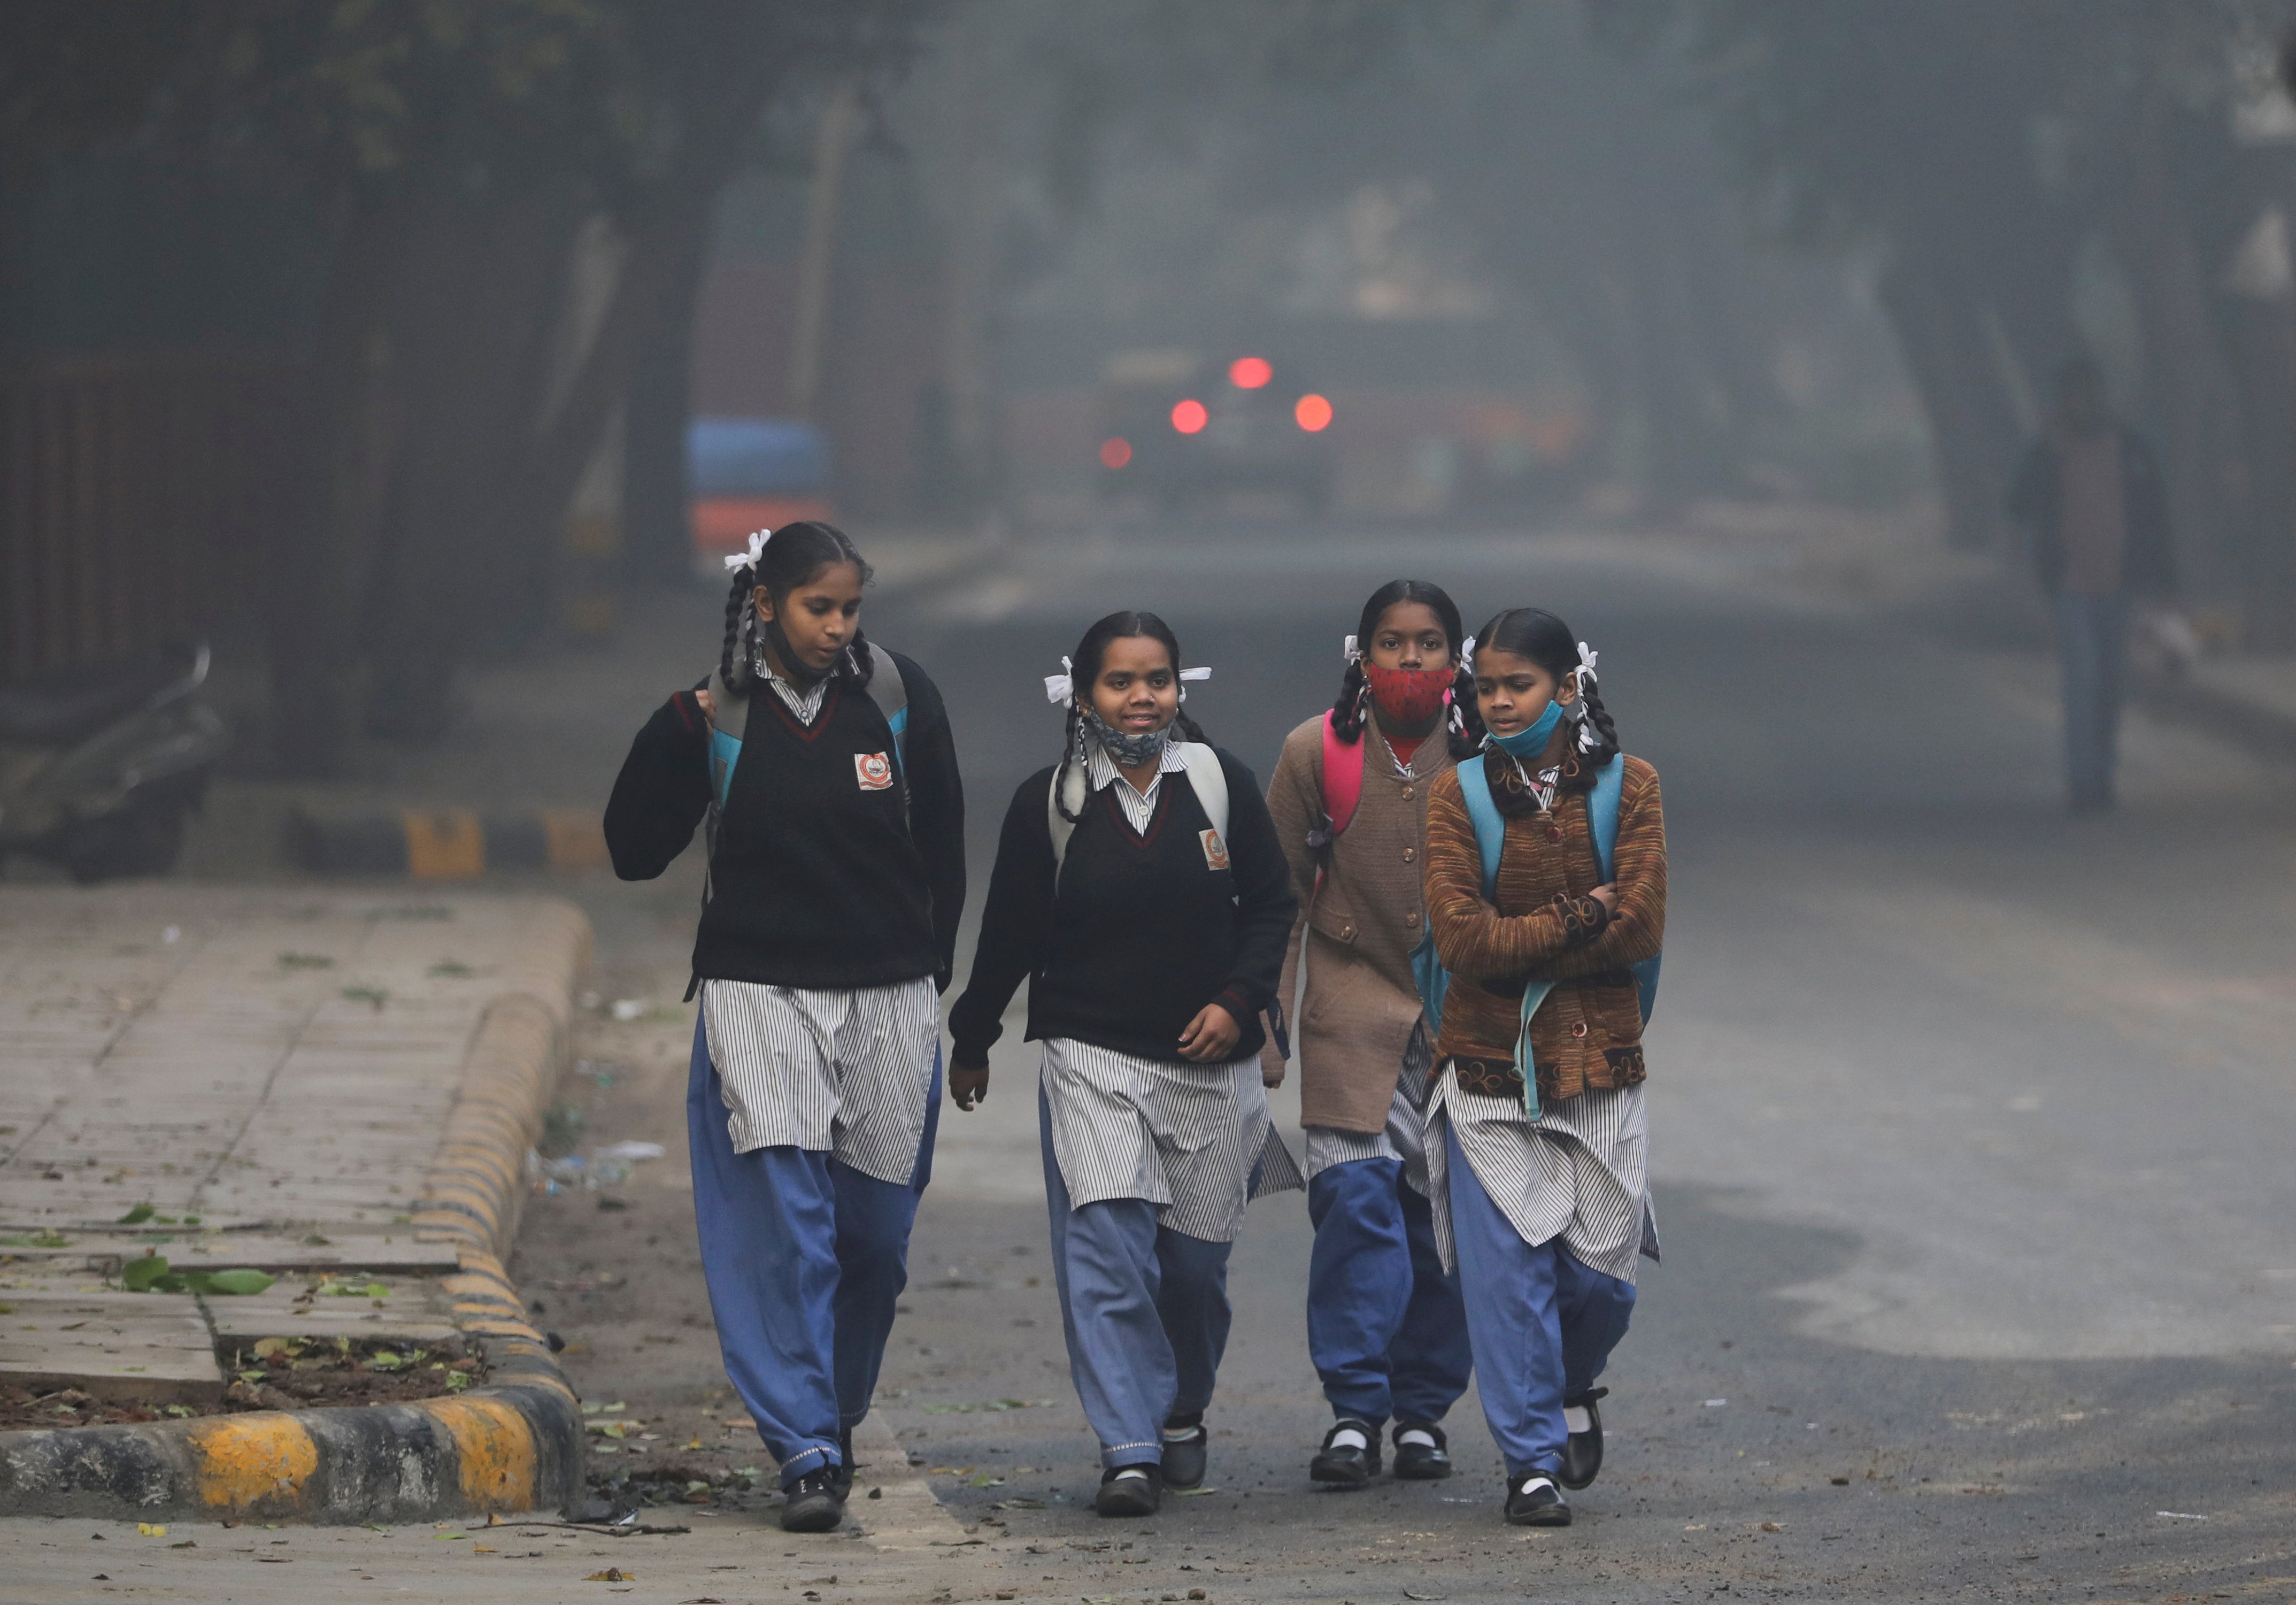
[1343,776]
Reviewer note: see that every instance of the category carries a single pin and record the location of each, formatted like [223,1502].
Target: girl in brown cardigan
[1541,1194]
[1385,1328]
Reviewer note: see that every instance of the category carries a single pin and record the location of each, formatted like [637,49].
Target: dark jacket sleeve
[2033,507]
[936,807]
[2151,567]
[662,791]
[1016,922]
[1266,903]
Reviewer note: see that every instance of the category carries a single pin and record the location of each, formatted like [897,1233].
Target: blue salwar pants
[1541,1324]
[1144,1310]
[804,1256]
[1385,1325]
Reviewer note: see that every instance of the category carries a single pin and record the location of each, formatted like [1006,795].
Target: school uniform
[1385,1328]
[836,886]
[1544,1213]
[1149,1157]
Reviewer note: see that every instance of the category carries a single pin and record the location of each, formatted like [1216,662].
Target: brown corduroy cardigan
[1588,1031]
[1356,934]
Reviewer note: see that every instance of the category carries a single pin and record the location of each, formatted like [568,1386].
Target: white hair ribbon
[1585,670]
[1348,651]
[1467,654]
[749,560]
[1060,687]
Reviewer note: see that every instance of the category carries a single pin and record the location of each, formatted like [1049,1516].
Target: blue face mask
[1527,744]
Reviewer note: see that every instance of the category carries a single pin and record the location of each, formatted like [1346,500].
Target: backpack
[1490,838]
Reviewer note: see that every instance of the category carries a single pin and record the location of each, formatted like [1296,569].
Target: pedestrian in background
[1385,1326]
[1545,892]
[1141,891]
[826,769]
[2090,497]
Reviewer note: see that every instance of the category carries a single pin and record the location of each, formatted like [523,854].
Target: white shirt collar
[1104,771]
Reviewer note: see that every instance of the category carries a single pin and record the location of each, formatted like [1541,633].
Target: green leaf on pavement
[137,1275]
[137,1216]
[238,1282]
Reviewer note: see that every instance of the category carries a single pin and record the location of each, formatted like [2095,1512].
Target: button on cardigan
[1354,936]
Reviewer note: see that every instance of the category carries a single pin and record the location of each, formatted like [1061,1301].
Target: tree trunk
[1973,430]
[477,303]
[318,555]
[657,542]
[2196,392]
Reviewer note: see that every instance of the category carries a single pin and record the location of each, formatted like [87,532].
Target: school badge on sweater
[1215,850]
[874,771]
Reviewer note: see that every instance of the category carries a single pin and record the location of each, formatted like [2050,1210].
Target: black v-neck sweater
[819,880]
[1144,931]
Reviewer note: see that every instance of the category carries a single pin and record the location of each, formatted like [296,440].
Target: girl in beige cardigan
[1385,1326]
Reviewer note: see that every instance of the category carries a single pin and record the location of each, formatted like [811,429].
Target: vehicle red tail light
[1313,413]
[1115,452]
[1189,417]
[1249,373]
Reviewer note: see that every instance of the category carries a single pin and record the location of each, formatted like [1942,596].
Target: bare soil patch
[288,1374]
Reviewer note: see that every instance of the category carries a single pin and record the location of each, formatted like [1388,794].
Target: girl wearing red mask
[1385,1326]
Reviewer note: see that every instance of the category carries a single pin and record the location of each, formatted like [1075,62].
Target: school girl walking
[825,767]
[1349,797]
[1140,889]
[1546,889]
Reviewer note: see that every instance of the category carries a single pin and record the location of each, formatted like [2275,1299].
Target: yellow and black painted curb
[448,844]
[516,1443]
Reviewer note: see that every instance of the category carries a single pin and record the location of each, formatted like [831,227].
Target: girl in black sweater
[825,767]
[1141,889]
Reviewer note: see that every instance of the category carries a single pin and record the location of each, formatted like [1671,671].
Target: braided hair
[1534,633]
[797,555]
[1464,725]
[1085,669]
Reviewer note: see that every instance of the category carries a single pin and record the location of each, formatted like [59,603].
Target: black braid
[732,663]
[1073,744]
[1353,705]
[1464,726]
[1599,718]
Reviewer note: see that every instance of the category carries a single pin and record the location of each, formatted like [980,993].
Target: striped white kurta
[1579,1172]
[1404,1136]
[1185,1137]
[845,1071]
[841,1071]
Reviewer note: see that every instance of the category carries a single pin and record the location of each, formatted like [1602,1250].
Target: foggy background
[368,342]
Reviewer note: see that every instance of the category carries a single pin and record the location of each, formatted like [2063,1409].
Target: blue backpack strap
[1490,829]
[1602,812]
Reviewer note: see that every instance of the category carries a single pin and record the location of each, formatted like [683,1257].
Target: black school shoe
[1582,1455]
[1185,1459]
[815,1504]
[1534,1501]
[840,1476]
[1130,1491]
[1347,1465]
[1422,1462]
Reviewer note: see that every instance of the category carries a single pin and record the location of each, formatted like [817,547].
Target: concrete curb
[516,1443]
[448,844]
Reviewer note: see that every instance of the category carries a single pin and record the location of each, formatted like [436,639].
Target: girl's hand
[1211,1036]
[1271,1069]
[709,703]
[968,1085]
[1607,896]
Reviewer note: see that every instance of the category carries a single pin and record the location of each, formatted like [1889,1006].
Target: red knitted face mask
[1408,695]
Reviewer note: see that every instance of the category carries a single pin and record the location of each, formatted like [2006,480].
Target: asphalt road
[1970,1130]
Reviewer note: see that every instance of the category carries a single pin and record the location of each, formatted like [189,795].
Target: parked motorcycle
[101,767]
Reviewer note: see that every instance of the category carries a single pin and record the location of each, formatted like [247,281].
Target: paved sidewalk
[300,1082]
